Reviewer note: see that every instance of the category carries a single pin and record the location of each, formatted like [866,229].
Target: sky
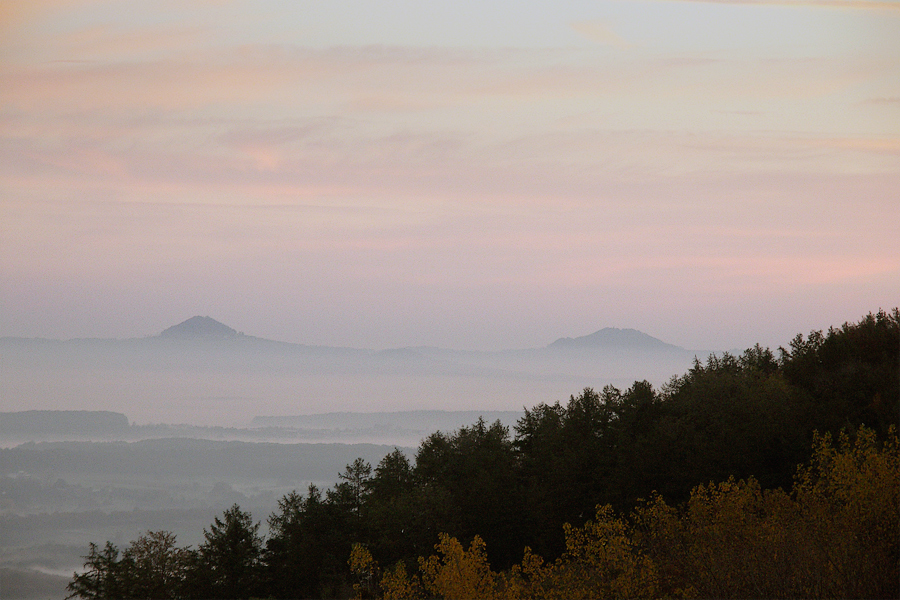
[472,175]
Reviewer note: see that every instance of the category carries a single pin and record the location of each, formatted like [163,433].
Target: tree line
[636,492]
[834,536]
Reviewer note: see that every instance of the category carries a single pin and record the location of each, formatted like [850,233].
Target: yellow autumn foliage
[458,574]
[837,535]
[601,561]
[396,584]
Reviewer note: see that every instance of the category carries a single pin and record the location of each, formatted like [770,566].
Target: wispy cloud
[885,101]
[142,150]
[599,32]
[103,42]
[878,5]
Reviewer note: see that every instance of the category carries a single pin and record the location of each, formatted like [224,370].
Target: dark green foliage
[469,479]
[152,566]
[850,374]
[735,416]
[350,497]
[732,417]
[229,559]
[565,457]
[100,579]
[394,500]
[299,546]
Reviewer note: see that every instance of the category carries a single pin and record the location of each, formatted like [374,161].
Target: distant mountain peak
[612,337]
[205,328]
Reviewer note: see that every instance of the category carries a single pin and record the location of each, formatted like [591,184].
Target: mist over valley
[202,372]
[108,438]
[72,477]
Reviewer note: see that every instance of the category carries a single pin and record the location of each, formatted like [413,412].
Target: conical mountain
[611,337]
[200,328]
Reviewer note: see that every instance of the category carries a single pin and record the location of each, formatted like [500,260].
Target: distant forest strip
[49,422]
[758,475]
[185,457]
[57,425]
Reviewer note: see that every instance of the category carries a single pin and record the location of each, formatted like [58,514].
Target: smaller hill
[200,328]
[613,338]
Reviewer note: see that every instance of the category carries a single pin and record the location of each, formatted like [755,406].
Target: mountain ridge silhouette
[199,327]
[612,337]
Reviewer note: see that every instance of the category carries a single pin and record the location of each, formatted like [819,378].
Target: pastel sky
[476,175]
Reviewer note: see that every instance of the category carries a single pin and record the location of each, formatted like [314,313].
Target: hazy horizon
[252,335]
[709,348]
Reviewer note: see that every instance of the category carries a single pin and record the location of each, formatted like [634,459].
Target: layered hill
[204,372]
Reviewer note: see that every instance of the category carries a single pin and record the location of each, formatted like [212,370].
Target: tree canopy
[689,490]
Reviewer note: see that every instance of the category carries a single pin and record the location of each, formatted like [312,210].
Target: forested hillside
[691,490]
